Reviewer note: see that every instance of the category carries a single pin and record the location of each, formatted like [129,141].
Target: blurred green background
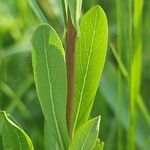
[17,90]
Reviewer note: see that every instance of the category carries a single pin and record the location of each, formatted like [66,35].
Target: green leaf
[99,145]
[75,11]
[50,79]
[90,55]
[14,137]
[85,137]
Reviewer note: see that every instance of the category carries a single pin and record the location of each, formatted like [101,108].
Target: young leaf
[85,137]
[90,55]
[75,11]
[50,79]
[14,138]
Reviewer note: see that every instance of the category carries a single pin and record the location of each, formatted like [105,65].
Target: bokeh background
[17,90]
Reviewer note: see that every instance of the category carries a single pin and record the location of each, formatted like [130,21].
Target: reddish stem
[70,59]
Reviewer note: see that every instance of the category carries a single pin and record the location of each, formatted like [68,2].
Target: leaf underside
[50,79]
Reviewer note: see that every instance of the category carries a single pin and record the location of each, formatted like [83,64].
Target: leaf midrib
[51,92]
[86,73]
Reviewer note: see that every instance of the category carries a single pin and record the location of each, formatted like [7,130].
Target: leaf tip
[98,119]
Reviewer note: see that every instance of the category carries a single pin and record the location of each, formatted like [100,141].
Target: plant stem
[70,50]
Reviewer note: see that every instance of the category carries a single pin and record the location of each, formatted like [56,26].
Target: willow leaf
[50,79]
[90,56]
[86,136]
[13,136]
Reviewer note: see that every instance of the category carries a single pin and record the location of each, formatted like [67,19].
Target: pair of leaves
[50,78]
[84,138]
[13,136]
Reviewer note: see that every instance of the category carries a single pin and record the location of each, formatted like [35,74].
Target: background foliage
[17,90]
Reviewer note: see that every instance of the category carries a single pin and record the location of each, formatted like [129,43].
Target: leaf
[50,79]
[85,137]
[75,11]
[99,145]
[14,138]
[90,55]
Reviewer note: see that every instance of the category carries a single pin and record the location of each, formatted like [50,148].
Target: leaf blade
[85,137]
[89,60]
[13,136]
[50,78]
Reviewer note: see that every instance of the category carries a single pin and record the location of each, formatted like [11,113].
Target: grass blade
[136,66]
[125,73]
